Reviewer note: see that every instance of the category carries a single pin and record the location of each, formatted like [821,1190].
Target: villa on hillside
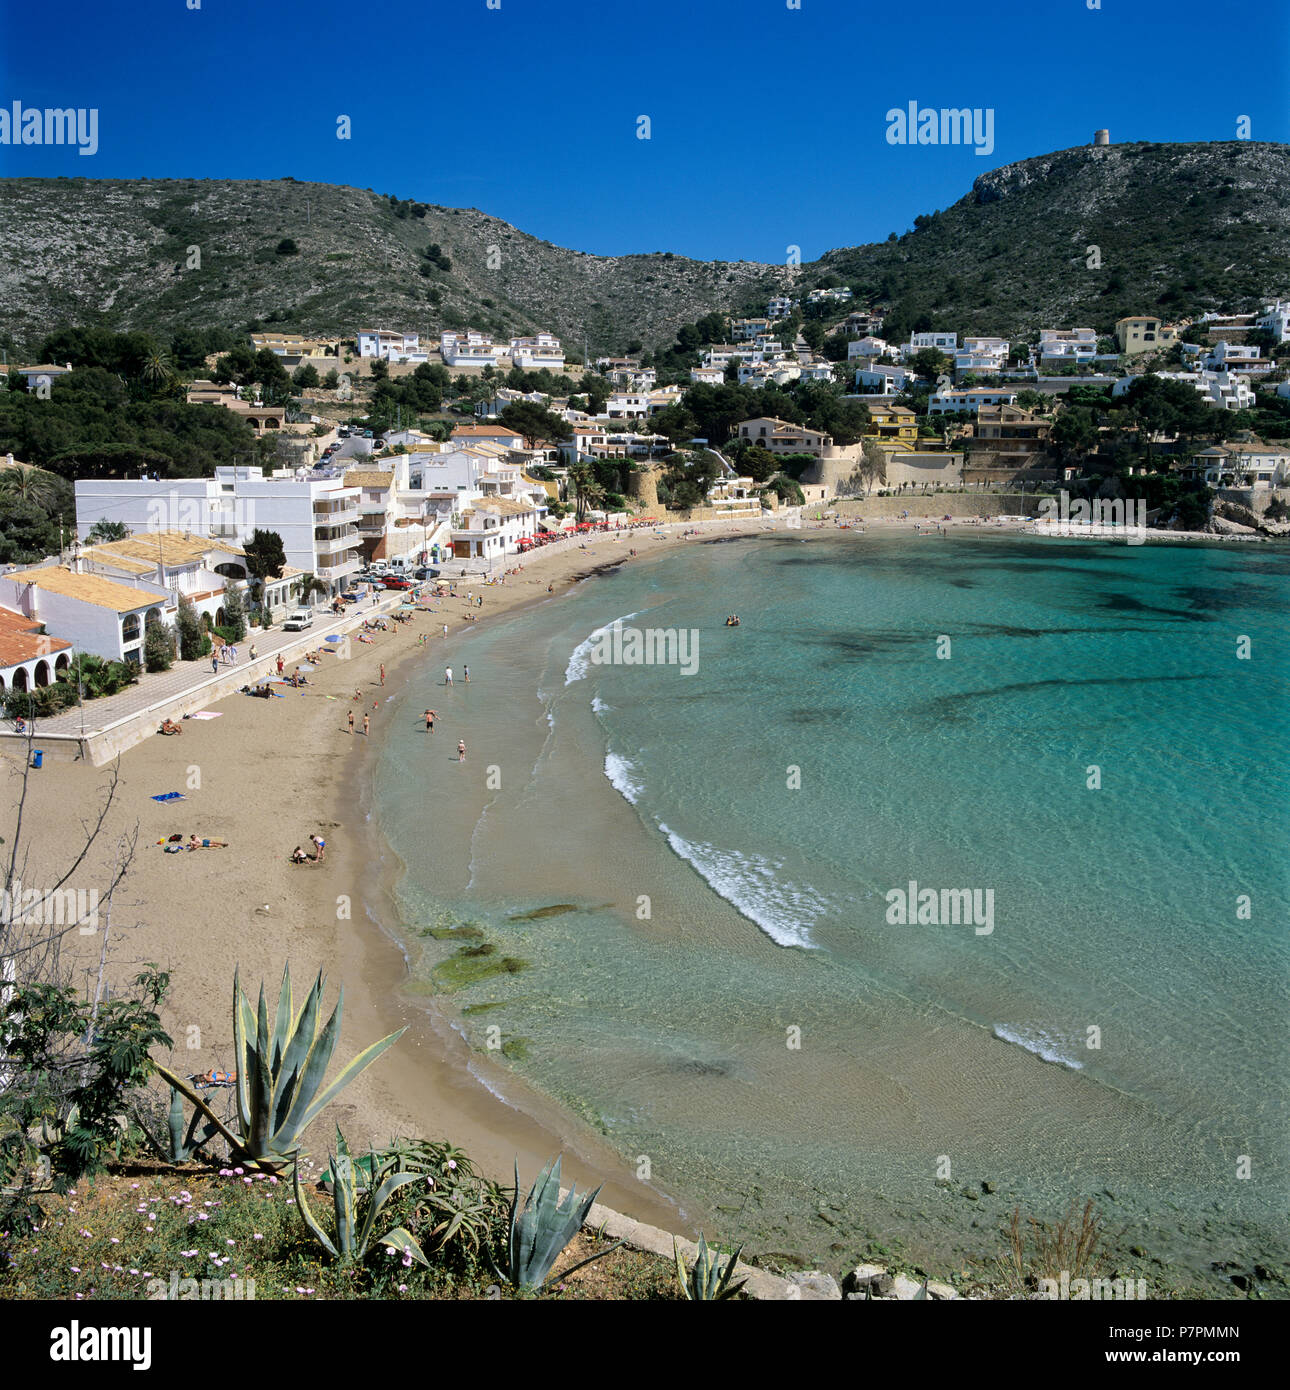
[1248,464]
[1143,333]
[391,346]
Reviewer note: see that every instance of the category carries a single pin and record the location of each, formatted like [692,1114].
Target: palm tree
[309,585]
[24,484]
[156,369]
[587,491]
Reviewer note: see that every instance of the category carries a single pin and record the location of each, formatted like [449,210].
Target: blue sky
[767,124]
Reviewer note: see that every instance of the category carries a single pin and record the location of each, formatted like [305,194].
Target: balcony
[351,564]
[345,515]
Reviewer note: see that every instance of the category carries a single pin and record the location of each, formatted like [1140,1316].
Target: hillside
[1180,228]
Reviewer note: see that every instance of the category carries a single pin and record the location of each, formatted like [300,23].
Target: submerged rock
[816,1286]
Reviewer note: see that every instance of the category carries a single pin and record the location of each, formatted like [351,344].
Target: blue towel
[169,796]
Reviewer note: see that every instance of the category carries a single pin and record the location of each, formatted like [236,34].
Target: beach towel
[170,796]
[205,714]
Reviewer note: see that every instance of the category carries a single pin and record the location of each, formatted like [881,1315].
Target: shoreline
[432,1083]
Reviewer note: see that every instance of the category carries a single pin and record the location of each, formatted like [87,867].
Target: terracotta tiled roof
[21,640]
[358,477]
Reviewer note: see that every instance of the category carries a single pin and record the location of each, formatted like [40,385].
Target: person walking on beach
[281,663]
[430,718]
[320,845]
[252,651]
[382,673]
[461,750]
[445,629]
[447,675]
[351,723]
[465,671]
[215,663]
[367,724]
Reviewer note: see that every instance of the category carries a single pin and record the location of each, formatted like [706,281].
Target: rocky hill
[1178,228]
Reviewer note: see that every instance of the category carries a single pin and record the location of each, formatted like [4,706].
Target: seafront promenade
[100,729]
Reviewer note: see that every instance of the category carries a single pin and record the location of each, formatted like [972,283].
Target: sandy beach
[264,776]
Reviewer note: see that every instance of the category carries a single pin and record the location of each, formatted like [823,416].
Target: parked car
[425,572]
[299,620]
[393,581]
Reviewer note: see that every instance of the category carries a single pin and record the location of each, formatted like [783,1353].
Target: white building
[981,355]
[1225,356]
[758,374]
[883,379]
[942,342]
[780,307]
[316,516]
[540,350]
[837,296]
[868,346]
[29,657]
[1221,389]
[707,376]
[745,330]
[197,568]
[94,614]
[469,349]
[1066,346]
[948,402]
[390,346]
[493,527]
[1276,319]
[1249,464]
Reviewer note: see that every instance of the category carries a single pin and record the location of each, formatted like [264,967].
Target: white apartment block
[1063,346]
[469,349]
[540,350]
[390,346]
[838,296]
[780,307]
[102,616]
[707,376]
[942,342]
[317,517]
[949,402]
[1221,389]
[981,355]
[1225,356]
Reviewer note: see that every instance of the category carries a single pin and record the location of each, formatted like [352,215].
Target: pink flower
[257,1236]
[403,1288]
[76,1269]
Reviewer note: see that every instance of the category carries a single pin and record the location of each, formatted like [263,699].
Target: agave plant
[279,1089]
[353,1235]
[184,1146]
[540,1231]
[707,1281]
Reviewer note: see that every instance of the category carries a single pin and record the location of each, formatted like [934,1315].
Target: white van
[299,620]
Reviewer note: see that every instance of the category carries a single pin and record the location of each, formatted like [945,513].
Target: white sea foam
[1042,1044]
[754,887]
[624,776]
[580,661]
[598,706]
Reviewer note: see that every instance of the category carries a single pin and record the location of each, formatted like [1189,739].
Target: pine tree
[190,632]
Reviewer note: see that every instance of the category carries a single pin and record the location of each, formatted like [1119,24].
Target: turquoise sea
[1072,731]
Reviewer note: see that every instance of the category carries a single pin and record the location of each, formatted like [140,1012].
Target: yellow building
[1143,333]
[892,422]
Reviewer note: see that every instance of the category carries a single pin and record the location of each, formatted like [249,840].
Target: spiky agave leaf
[280,1074]
[306,1212]
[707,1281]
[540,1232]
[403,1241]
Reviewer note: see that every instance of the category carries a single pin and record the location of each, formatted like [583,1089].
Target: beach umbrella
[335,637]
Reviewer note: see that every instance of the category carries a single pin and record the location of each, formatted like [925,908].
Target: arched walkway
[42,674]
[20,678]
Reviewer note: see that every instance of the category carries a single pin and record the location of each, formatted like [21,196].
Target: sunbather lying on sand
[168,726]
[195,843]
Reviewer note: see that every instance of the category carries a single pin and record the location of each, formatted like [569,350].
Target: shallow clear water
[1065,729]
